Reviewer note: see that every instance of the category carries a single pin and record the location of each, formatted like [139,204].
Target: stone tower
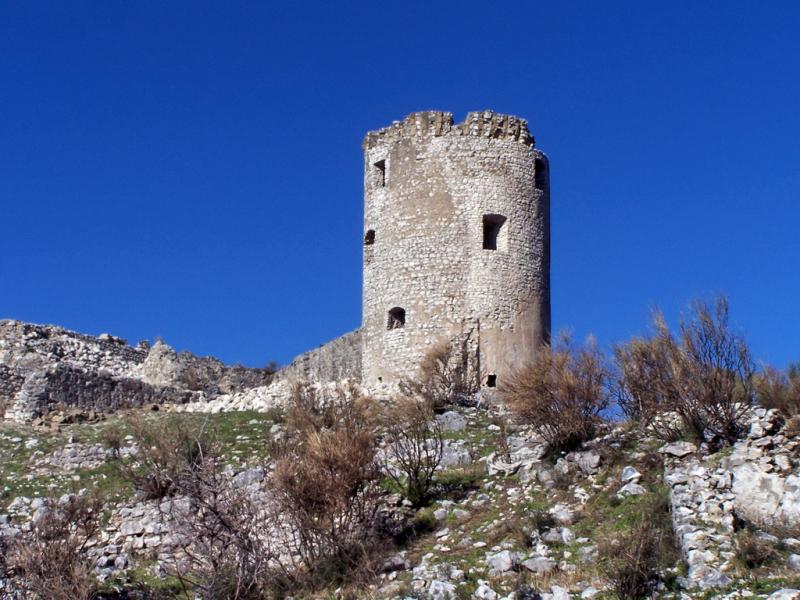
[456,244]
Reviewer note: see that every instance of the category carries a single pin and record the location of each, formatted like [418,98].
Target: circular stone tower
[456,244]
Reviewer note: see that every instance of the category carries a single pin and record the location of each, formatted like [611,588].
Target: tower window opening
[491,380]
[540,174]
[369,237]
[380,171]
[397,318]
[493,234]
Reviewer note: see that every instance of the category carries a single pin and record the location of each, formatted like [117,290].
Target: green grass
[243,438]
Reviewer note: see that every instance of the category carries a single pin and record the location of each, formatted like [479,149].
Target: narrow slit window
[369,237]
[380,172]
[397,318]
[540,174]
[493,232]
[491,380]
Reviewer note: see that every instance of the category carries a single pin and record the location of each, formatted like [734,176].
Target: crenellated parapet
[486,124]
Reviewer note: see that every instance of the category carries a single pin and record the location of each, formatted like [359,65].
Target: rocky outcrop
[765,473]
[755,483]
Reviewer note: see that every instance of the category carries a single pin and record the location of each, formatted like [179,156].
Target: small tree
[561,394]
[415,444]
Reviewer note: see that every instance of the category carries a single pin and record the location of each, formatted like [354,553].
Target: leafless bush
[49,560]
[326,482]
[447,375]
[630,560]
[776,389]
[502,446]
[704,375]
[714,372]
[644,387]
[228,534]
[415,444]
[112,438]
[165,448]
[562,393]
[753,552]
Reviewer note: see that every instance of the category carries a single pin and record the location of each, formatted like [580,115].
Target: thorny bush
[228,534]
[780,390]
[633,559]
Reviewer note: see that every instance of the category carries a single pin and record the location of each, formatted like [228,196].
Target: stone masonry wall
[65,387]
[428,184]
[338,359]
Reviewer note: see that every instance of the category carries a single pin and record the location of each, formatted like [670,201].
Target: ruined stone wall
[338,359]
[102,373]
[29,346]
[64,387]
[429,184]
[11,381]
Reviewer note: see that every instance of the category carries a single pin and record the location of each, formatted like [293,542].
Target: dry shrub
[225,532]
[776,389]
[415,444]
[165,448]
[715,372]
[228,534]
[326,482]
[643,387]
[630,560]
[447,376]
[561,394]
[704,376]
[113,438]
[753,552]
[49,560]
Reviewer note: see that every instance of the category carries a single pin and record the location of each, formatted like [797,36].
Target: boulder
[630,474]
[632,489]
[766,498]
[452,421]
[678,449]
[785,594]
[541,565]
[502,562]
[484,592]
[441,590]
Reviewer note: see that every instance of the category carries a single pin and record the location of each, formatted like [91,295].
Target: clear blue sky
[192,170]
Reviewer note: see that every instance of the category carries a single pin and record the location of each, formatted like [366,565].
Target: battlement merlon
[486,123]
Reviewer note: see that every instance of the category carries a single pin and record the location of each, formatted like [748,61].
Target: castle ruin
[456,248]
